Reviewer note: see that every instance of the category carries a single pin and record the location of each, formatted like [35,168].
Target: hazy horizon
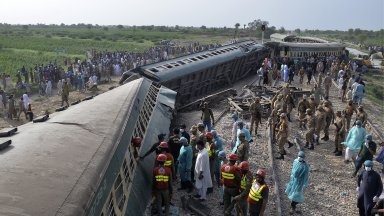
[324,15]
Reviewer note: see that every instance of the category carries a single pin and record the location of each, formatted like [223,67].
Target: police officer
[162,184]
[231,178]
[256,111]
[258,194]
[245,185]
[369,187]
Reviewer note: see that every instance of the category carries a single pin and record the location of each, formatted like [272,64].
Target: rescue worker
[349,110]
[155,147]
[242,149]
[240,201]
[320,122]
[329,118]
[367,151]
[312,103]
[211,148]
[310,121]
[354,140]
[135,144]
[369,187]
[289,105]
[258,194]
[231,178]
[301,110]
[339,133]
[327,84]
[362,116]
[282,135]
[298,181]
[222,158]
[170,162]
[185,165]
[207,116]
[256,111]
[162,184]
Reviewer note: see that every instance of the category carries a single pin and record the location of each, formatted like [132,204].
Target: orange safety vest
[255,192]
[228,175]
[161,177]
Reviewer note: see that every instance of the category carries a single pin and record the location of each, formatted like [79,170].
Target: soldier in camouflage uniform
[301,109]
[327,84]
[312,103]
[288,105]
[362,116]
[320,122]
[339,133]
[242,149]
[279,102]
[256,111]
[282,135]
[329,118]
[349,110]
[310,120]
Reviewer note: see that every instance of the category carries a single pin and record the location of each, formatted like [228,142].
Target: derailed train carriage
[79,161]
[201,73]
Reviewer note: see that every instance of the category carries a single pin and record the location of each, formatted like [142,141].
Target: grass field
[375,88]
[30,45]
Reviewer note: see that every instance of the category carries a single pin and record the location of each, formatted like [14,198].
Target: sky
[291,14]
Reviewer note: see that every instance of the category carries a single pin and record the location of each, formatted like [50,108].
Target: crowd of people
[201,161]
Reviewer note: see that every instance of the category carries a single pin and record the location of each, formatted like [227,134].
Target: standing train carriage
[80,162]
[202,73]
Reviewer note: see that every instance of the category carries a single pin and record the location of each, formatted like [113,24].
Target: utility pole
[262,33]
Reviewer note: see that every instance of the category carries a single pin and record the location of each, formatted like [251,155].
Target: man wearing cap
[339,133]
[327,84]
[256,111]
[310,121]
[349,110]
[240,201]
[301,109]
[320,122]
[207,116]
[231,177]
[354,141]
[258,194]
[312,103]
[362,116]
[242,149]
[298,181]
[367,151]
[162,184]
[185,165]
[369,187]
[329,118]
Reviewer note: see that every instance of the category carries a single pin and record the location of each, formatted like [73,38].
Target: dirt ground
[41,104]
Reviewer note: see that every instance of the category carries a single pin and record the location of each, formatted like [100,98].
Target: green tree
[120,26]
[237,25]
[297,31]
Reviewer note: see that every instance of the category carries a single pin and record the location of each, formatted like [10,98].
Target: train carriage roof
[54,167]
[182,66]
[306,45]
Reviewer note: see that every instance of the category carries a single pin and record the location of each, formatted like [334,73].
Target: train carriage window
[168,66]
[111,209]
[209,54]
[154,70]
[215,53]
[204,56]
[187,61]
[119,192]
[199,57]
[180,62]
[193,59]
[174,64]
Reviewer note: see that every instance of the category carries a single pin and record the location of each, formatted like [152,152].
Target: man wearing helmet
[231,177]
[170,162]
[245,186]
[258,194]
[162,184]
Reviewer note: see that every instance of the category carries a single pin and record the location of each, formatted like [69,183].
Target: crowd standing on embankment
[204,164]
[79,75]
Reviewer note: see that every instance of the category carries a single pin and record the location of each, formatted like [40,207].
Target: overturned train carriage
[204,72]
[79,161]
